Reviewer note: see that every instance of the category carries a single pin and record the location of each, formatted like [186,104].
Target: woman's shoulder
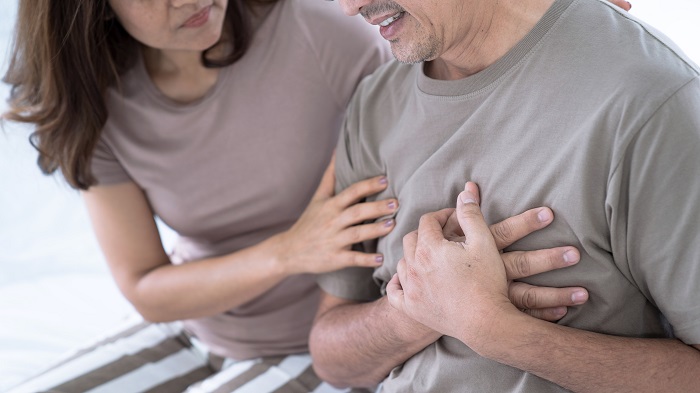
[324,21]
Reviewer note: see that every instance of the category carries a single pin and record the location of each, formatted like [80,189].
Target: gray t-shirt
[241,164]
[593,114]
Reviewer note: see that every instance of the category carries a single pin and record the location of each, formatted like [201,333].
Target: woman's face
[172,24]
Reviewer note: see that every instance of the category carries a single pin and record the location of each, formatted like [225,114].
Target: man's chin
[413,54]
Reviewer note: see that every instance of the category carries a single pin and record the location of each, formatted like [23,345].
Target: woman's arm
[319,242]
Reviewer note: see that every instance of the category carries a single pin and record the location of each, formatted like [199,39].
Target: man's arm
[583,361]
[358,344]
[484,319]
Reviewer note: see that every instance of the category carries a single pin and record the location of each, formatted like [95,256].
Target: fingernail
[467,197]
[379,259]
[571,257]
[544,215]
[392,205]
[629,4]
[388,223]
[559,311]
[383,180]
[579,297]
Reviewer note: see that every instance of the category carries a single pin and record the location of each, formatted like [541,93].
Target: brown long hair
[66,53]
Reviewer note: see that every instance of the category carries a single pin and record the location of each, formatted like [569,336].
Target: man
[571,104]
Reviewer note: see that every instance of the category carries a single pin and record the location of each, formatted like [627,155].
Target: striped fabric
[161,358]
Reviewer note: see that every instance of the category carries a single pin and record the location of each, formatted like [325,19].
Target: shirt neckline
[492,73]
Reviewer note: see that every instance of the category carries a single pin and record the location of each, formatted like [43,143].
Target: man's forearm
[583,361]
[358,344]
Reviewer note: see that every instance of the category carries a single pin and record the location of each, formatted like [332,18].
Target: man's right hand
[358,344]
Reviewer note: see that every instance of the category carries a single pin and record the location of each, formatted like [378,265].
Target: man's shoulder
[627,41]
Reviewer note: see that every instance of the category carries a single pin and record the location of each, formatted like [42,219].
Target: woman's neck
[178,74]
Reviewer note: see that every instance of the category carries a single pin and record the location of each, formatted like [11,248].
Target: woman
[218,117]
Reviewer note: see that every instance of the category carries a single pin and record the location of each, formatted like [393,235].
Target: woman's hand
[321,238]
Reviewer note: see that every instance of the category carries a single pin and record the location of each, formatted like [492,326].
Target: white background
[55,292]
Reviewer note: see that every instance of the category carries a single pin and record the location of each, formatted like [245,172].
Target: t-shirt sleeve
[106,167]
[351,283]
[654,211]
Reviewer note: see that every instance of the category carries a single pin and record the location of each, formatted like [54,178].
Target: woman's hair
[66,53]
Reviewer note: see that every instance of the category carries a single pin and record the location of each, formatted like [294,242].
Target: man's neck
[492,32]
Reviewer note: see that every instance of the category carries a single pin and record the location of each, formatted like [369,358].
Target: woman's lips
[198,19]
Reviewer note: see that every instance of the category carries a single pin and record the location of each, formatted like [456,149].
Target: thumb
[469,213]
[326,188]
[395,294]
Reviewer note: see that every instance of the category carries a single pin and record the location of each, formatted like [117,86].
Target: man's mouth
[386,22]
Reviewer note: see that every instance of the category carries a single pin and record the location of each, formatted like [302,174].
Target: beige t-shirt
[241,164]
[592,114]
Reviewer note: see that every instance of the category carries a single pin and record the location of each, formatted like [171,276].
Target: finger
[517,227]
[409,245]
[528,296]
[365,211]
[401,271]
[395,294]
[326,188]
[356,259]
[451,229]
[360,233]
[360,190]
[520,264]
[469,215]
[430,226]
[552,314]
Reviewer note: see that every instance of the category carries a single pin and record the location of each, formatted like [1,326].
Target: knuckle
[519,265]
[529,298]
[400,267]
[354,235]
[355,191]
[353,213]
[363,260]
[422,254]
[503,231]
[472,211]
[411,272]
[409,237]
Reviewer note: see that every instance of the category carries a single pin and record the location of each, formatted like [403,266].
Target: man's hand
[459,287]
[357,344]
[545,303]
[454,287]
